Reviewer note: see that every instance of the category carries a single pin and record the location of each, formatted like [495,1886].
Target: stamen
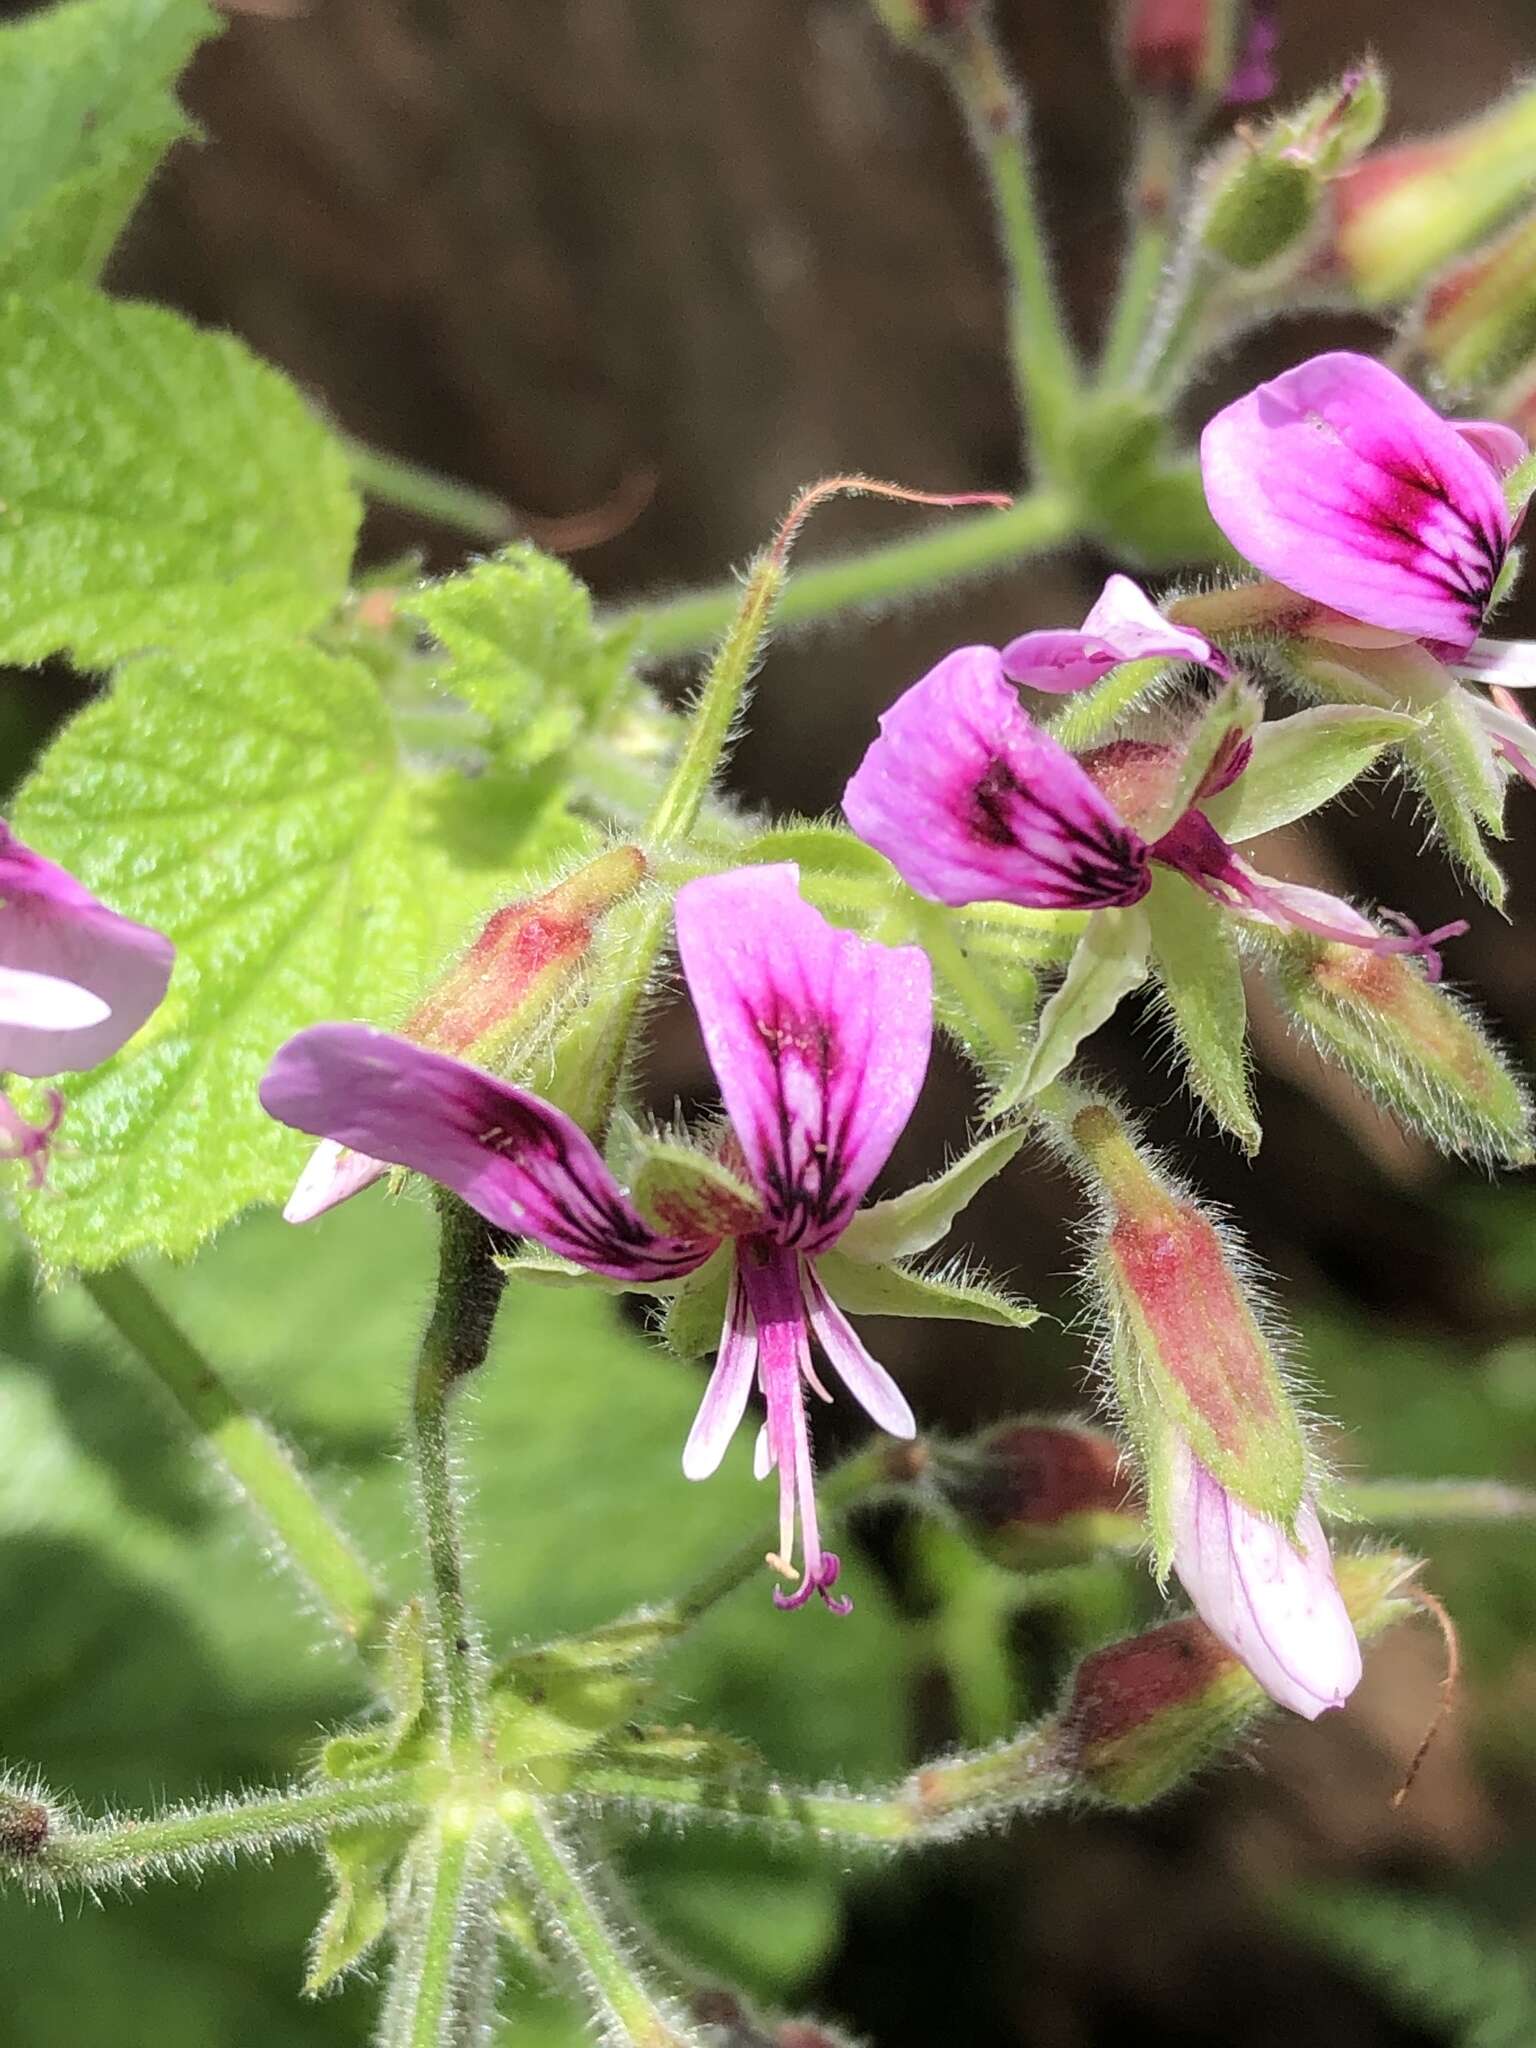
[783,1567]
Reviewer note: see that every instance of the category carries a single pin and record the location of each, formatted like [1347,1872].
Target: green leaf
[1194,951]
[946,1293]
[252,804]
[916,1220]
[695,1315]
[361,1862]
[523,649]
[89,114]
[1303,762]
[159,486]
[1110,961]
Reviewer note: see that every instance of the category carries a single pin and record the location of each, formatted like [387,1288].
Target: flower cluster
[1382,533]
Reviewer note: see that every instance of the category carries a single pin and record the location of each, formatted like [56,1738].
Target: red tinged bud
[1040,1492]
[25,1825]
[1198,51]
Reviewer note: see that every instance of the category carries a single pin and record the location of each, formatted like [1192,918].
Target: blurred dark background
[671,259]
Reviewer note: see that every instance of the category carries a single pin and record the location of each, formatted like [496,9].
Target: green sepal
[1301,763]
[532,1262]
[404,1738]
[825,854]
[915,1220]
[1084,717]
[1110,961]
[361,1862]
[695,1314]
[686,1192]
[1231,717]
[945,1293]
[1194,953]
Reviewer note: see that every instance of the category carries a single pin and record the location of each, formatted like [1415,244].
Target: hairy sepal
[1195,956]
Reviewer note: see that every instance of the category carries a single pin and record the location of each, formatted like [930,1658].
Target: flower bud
[25,1825]
[496,994]
[1143,1714]
[1478,323]
[1403,213]
[1413,1045]
[1191,1363]
[1197,53]
[1039,1492]
[1263,194]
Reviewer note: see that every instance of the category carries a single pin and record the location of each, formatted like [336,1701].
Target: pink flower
[76,982]
[819,1041]
[1343,485]
[972,802]
[1124,625]
[1272,1601]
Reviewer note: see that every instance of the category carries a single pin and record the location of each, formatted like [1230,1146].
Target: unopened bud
[1413,1045]
[1039,1492]
[1191,1363]
[1401,214]
[1263,194]
[25,1825]
[491,1001]
[1478,323]
[1198,53]
[1144,1714]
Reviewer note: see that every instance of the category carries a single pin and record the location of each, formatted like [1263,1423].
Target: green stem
[971,545]
[262,1469]
[1176,334]
[393,481]
[440,1995]
[1155,185]
[1044,365]
[575,1923]
[469,1290]
[955,1795]
[127,1850]
[1433,1500]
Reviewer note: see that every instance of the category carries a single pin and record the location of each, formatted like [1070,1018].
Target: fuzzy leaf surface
[89,113]
[254,805]
[159,486]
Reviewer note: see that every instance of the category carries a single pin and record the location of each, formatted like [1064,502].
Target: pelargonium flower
[972,802]
[1271,1598]
[1124,625]
[76,981]
[1343,486]
[819,1040]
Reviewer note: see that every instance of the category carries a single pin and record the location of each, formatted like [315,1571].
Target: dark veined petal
[819,1040]
[972,803]
[522,1163]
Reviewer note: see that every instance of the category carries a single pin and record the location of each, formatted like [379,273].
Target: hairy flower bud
[1038,1492]
[1263,194]
[25,1825]
[1401,214]
[1415,1047]
[499,991]
[1197,53]
[1478,323]
[1143,1714]
[1189,1355]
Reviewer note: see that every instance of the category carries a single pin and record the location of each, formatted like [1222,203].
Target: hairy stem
[393,481]
[263,1471]
[130,1850]
[1433,1500]
[952,1796]
[1155,183]
[469,1289]
[862,581]
[440,1993]
[575,1922]
[1044,366]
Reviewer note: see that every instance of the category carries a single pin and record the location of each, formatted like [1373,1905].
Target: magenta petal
[1501,447]
[819,1041]
[1339,481]
[1124,625]
[730,1384]
[1274,1604]
[52,927]
[972,803]
[864,1377]
[518,1160]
